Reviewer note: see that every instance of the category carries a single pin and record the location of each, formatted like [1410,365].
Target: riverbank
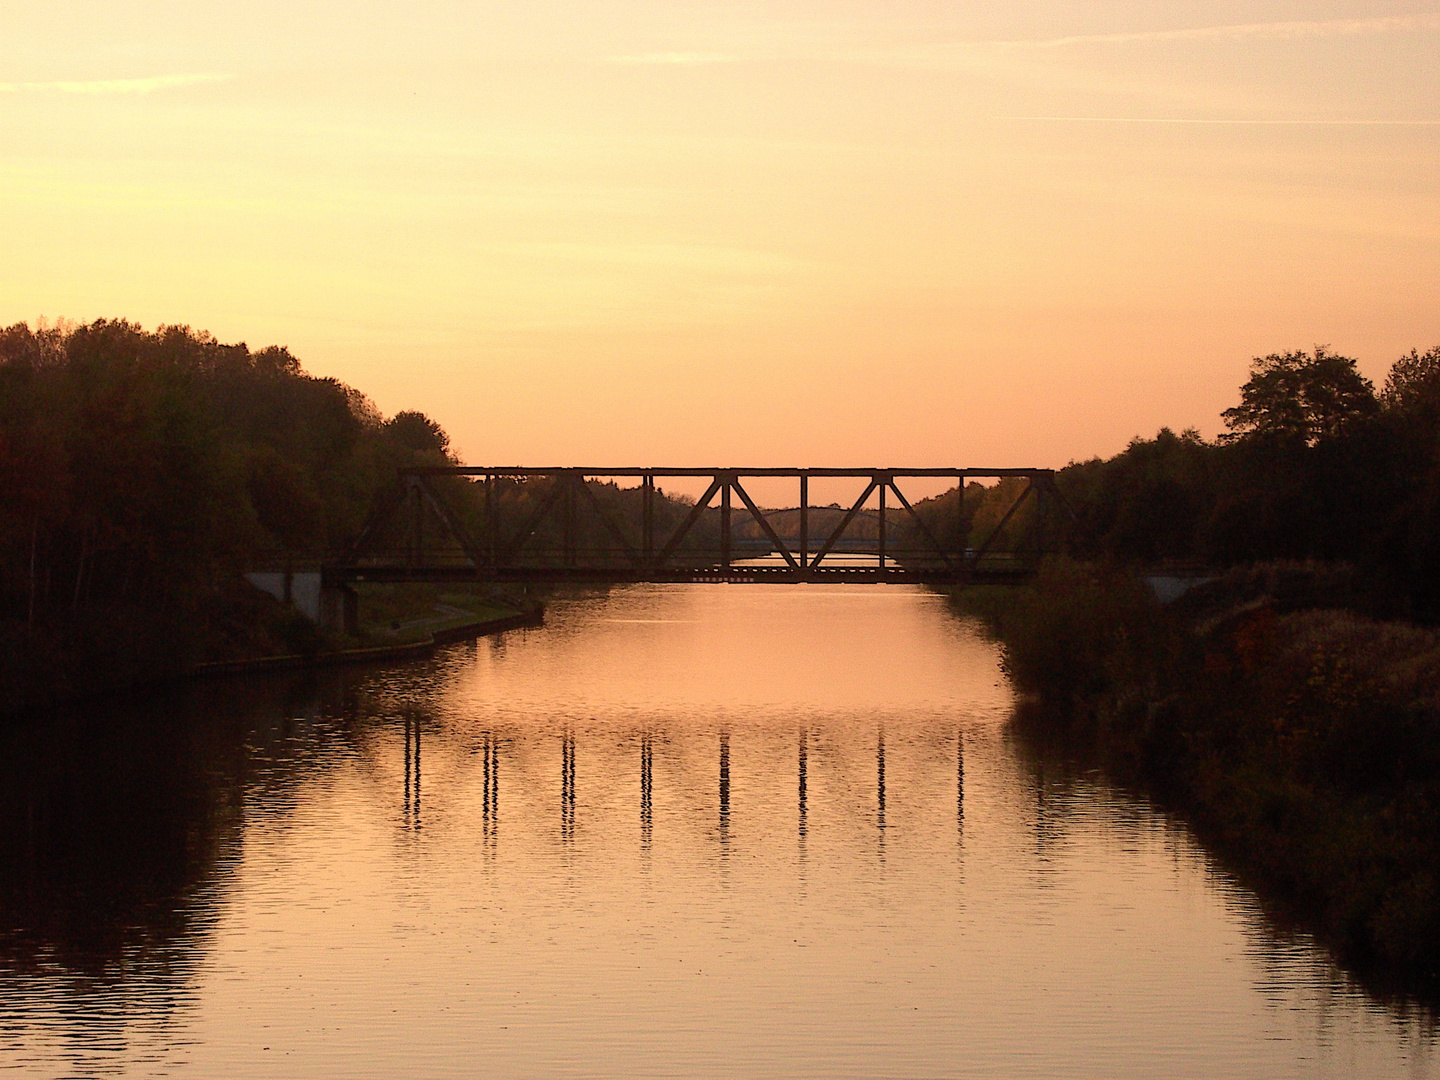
[230,628]
[370,654]
[1300,735]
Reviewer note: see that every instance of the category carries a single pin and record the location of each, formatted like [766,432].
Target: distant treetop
[414,430]
[1414,383]
[1300,398]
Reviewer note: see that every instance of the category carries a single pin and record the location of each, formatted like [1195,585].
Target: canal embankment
[236,628]
[1297,730]
[464,630]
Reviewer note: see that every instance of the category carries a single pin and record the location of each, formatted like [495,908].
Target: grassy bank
[404,613]
[118,648]
[1299,734]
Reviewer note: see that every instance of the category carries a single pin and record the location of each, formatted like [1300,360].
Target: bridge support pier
[324,598]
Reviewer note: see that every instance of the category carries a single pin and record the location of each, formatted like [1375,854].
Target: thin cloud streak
[944,54]
[1274,30]
[115,86]
[1215,120]
[681,58]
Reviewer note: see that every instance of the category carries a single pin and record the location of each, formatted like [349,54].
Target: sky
[788,233]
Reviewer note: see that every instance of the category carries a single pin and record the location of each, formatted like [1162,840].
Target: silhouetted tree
[416,431]
[1413,385]
[1298,397]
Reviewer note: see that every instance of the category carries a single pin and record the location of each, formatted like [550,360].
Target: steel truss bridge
[555,525]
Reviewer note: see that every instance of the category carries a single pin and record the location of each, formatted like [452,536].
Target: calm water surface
[688,831]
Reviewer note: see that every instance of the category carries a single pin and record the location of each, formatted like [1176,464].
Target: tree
[416,431]
[1299,398]
[1414,385]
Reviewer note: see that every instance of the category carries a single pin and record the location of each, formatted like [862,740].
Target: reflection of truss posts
[532,520]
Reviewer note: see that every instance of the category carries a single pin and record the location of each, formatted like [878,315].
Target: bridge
[518,525]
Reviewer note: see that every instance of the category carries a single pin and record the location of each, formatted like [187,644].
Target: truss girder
[673,551]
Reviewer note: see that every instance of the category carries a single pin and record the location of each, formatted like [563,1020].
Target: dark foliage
[1300,398]
[140,472]
[1303,740]
[1317,466]
[417,431]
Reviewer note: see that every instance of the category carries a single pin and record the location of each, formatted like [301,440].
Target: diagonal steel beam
[995,533]
[688,523]
[512,549]
[1047,494]
[1054,489]
[378,514]
[609,523]
[764,523]
[442,511]
[844,524]
[924,529]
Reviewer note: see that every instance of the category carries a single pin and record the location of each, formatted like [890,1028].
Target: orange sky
[800,233]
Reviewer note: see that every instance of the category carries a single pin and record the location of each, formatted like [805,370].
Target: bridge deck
[777,575]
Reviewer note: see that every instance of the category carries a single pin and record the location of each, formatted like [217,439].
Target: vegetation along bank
[142,474]
[1300,736]
[1290,705]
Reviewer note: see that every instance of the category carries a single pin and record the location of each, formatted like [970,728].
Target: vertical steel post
[569,481]
[804,520]
[1040,493]
[485,806]
[647,502]
[880,778]
[491,539]
[567,786]
[883,483]
[960,537]
[725,524]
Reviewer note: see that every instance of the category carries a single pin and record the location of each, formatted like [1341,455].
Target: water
[679,831]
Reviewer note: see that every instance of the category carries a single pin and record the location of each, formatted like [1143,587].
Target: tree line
[140,466]
[1315,464]
[141,472]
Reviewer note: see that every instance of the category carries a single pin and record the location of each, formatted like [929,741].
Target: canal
[678,831]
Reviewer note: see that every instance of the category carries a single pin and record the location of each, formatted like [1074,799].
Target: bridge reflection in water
[491,744]
[314,866]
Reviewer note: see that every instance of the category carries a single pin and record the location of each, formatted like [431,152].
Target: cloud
[114,86]
[986,52]
[1272,30]
[1207,120]
[673,58]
